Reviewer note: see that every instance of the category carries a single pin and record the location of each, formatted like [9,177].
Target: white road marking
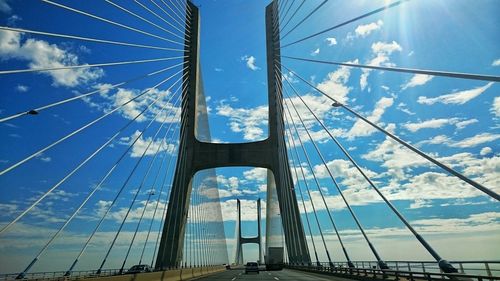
[233,279]
[276,278]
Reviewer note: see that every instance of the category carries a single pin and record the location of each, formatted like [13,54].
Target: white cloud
[41,54]
[431,185]
[321,107]
[331,41]
[432,123]
[45,159]
[249,121]
[256,174]
[485,151]
[231,183]
[290,77]
[142,143]
[61,195]
[12,20]
[22,88]
[402,107]
[455,98]
[438,123]
[438,185]
[366,29]
[5,7]
[417,80]
[135,213]
[386,48]
[471,237]
[395,158]
[381,52]
[468,224]
[420,203]
[476,140]
[465,143]
[250,61]
[462,124]
[484,170]
[248,210]
[118,96]
[42,157]
[315,52]
[343,169]
[361,128]
[496,107]
[10,42]
[334,84]
[131,109]
[400,164]
[252,182]
[252,122]
[218,69]
[496,62]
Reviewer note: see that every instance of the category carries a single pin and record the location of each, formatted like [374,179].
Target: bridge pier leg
[295,240]
[240,240]
[196,155]
[171,244]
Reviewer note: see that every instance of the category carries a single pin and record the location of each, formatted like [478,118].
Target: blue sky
[455,120]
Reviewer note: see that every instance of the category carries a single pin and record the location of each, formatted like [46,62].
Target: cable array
[148,157]
[297,133]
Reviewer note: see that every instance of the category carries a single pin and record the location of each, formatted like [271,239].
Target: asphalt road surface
[285,275]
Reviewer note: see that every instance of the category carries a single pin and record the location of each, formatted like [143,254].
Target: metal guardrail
[488,268]
[59,275]
[75,275]
[477,270]
[409,270]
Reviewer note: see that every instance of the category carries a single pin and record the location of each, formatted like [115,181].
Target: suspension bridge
[152,161]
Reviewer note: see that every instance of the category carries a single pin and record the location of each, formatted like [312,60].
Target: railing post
[488,270]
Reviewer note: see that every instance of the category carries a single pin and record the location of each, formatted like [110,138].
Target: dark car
[251,267]
[139,268]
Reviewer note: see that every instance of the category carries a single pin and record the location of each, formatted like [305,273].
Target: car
[251,267]
[139,268]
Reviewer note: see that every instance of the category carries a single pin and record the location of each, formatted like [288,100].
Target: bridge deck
[285,274]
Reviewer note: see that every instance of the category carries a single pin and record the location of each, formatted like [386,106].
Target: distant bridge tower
[240,240]
[196,155]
